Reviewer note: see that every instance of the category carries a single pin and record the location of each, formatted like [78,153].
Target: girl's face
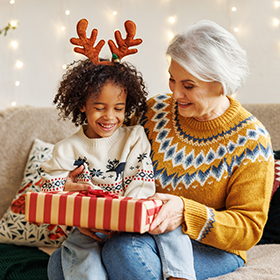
[201,100]
[106,113]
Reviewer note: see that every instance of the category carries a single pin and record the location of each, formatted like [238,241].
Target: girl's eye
[119,109]
[99,109]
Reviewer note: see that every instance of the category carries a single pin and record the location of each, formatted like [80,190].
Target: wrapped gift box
[91,211]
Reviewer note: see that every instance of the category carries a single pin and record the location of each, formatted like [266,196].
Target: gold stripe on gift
[99,212]
[40,208]
[129,225]
[54,209]
[27,202]
[115,211]
[85,212]
[70,209]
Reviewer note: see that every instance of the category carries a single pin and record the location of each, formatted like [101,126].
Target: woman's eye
[188,87]
[171,80]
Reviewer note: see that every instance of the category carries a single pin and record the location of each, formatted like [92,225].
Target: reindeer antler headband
[86,45]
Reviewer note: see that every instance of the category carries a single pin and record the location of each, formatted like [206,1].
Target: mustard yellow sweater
[223,170]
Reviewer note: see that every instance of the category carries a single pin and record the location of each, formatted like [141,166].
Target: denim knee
[136,254]
[54,266]
[212,262]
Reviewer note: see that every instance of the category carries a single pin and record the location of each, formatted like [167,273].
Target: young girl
[115,158]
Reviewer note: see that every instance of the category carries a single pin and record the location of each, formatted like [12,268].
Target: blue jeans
[141,256]
[81,257]
[138,255]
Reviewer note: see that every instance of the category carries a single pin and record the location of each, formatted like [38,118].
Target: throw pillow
[271,233]
[276,176]
[13,228]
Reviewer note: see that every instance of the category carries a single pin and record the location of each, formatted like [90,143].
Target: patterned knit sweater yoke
[222,164]
[119,163]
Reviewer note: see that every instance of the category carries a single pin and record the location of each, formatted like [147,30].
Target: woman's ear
[222,90]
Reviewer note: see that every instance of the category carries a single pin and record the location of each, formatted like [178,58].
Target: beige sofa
[20,126]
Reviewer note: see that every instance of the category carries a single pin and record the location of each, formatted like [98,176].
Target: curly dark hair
[83,80]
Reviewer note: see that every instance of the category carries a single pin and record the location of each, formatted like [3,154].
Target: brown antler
[87,43]
[123,44]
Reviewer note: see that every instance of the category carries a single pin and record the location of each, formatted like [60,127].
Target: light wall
[43,47]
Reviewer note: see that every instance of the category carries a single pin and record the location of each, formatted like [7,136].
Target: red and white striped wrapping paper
[71,209]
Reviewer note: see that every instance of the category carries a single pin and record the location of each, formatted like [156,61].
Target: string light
[276,21]
[170,35]
[13,23]
[19,64]
[172,19]
[14,44]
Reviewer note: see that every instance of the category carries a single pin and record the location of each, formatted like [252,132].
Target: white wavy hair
[211,53]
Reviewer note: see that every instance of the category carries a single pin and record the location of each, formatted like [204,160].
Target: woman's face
[203,101]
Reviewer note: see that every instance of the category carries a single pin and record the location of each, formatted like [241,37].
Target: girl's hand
[92,232]
[171,214]
[70,184]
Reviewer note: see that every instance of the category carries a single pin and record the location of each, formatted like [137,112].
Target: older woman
[213,162]
[213,165]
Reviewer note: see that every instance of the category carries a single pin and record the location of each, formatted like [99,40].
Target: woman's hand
[92,232]
[70,184]
[171,214]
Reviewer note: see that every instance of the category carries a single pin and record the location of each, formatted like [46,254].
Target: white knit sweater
[120,163]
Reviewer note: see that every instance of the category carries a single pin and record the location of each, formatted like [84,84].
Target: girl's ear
[83,109]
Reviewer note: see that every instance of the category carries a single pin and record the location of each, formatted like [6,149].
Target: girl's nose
[109,114]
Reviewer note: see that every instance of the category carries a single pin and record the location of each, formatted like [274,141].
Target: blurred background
[35,47]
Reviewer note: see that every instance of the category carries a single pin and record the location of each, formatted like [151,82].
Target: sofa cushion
[13,228]
[19,126]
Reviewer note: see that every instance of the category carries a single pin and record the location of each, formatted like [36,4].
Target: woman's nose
[177,92]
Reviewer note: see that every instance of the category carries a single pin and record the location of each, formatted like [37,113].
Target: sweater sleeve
[239,226]
[138,172]
[55,171]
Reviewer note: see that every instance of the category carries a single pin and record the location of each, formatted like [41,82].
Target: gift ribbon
[98,193]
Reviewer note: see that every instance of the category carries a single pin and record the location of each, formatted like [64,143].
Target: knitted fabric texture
[118,164]
[222,169]
[21,262]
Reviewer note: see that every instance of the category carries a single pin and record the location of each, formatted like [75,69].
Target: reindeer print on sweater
[118,164]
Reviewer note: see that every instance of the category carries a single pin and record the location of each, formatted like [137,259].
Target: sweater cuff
[195,216]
